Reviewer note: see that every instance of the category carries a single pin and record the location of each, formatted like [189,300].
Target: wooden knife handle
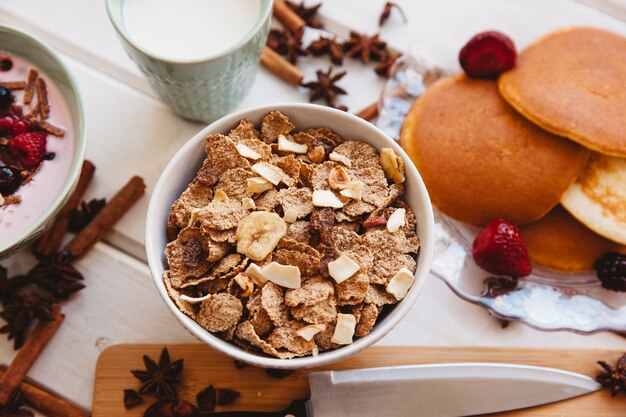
[288,17]
[296,409]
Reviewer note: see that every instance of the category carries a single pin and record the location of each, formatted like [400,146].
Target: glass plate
[546,300]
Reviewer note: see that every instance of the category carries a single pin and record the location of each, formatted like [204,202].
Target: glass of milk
[200,56]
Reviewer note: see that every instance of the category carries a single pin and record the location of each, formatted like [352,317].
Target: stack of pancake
[544,147]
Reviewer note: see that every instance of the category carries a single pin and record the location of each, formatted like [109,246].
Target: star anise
[20,313]
[328,46]
[287,44]
[171,408]
[56,274]
[160,378]
[308,14]
[82,215]
[325,88]
[613,378]
[13,407]
[389,6]
[365,47]
[9,287]
[383,68]
[132,399]
[497,286]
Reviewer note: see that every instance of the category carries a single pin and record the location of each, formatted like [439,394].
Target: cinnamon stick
[46,402]
[280,67]
[50,241]
[106,218]
[30,86]
[288,17]
[42,98]
[13,85]
[369,112]
[28,354]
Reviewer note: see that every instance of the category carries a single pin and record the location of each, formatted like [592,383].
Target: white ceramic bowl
[181,170]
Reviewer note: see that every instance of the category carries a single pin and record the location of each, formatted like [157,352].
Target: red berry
[20,126]
[7,122]
[500,249]
[29,148]
[487,55]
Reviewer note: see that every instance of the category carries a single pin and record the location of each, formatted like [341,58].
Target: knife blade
[445,390]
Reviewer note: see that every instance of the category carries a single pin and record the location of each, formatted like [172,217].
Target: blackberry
[6,98]
[611,269]
[10,179]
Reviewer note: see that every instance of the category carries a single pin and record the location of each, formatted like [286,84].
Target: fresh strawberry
[487,55]
[28,148]
[500,249]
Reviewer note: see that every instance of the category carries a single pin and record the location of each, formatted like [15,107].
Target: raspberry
[500,249]
[487,55]
[7,122]
[611,270]
[29,148]
[20,126]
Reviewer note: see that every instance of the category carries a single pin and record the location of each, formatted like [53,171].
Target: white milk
[184,30]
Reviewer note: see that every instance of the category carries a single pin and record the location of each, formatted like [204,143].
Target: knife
[443,390]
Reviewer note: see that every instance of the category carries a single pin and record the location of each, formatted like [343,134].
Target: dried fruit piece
[248,203]
[268,171]
[342,268]
[396,220]
[317,154]
[354,190]
[245,283]
[259,233]
[308,332]
[401,283]
[487,55]
[500,249]
[246,152]
[254,272]
[339,179]
[377,222]
[392,164]
[291,215]
[220,195]
[337,157]
[326,198]
[286,145]
[344,330]
[287,276]
[257,185]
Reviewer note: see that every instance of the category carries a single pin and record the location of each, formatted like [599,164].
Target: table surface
[130,132]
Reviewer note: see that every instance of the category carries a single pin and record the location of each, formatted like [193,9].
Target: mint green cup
[202,90]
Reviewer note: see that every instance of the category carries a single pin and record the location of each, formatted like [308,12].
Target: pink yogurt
[39,194]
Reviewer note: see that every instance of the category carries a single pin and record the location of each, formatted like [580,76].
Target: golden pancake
[559,241]
[573,83]
[598,197]
[481,160]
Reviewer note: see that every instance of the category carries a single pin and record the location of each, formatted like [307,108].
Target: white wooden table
[130,132]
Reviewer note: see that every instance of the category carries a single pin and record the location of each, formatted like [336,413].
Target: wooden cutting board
[204,366]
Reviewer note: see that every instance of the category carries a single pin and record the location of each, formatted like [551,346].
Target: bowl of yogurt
[42,138]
